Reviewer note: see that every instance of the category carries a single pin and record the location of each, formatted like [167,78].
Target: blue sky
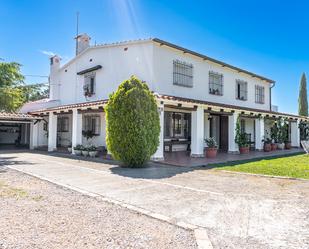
[266,37]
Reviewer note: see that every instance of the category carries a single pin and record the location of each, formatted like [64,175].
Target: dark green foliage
[240,138]
[133,125]
[302,99]
[304,131]
[13,92]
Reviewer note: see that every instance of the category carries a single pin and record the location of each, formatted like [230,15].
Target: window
[177,125]
[92,123]
[259,94]
[215,83]
[182,73]
[89,85]
[241,90]
[63,124]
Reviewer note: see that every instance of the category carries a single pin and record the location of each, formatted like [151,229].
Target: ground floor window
[63,124]
[177,125]
[92,123]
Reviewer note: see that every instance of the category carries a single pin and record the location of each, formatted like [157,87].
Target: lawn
[291,166]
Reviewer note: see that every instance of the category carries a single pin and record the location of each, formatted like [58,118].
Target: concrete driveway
[238,211]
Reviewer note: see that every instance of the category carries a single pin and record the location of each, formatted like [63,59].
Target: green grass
[296,166]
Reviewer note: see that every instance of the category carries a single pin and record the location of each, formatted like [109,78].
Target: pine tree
[302,99]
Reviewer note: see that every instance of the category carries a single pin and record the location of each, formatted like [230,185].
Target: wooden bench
[176,141]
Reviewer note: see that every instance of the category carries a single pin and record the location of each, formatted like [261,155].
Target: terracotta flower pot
[267,147]
[273,146]
[244,150]
[211,152]
[288,145]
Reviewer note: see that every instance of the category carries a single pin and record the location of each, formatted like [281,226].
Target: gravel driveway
[236,210]
[37,214]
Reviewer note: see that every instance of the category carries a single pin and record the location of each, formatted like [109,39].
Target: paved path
[238,211]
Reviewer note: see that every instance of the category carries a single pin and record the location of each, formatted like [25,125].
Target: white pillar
[197,133]
[259,133]
[52,132]
[77,120]
[233,147]
[295,134]
[159,155]
[34,130]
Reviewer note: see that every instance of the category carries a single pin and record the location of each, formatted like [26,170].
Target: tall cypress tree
[302,99]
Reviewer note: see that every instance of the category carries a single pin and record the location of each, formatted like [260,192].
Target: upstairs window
[259,94]
[182,73]
[89,84]
[91,123]
[241,90]
[215,83]
[63,124]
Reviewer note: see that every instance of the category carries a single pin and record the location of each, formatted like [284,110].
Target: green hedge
[133,124]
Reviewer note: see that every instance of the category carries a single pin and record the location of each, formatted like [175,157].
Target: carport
[15,130]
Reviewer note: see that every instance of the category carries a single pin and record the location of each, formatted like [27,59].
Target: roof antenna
[77,24]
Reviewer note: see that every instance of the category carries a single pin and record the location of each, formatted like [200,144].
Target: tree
[13,92]
[302,99]
[11,79]
[133,124]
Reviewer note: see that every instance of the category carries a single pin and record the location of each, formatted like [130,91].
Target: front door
[224,133]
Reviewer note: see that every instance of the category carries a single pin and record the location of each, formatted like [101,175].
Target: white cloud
[48,53]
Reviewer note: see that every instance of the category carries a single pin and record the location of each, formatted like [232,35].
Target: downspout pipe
[272,86]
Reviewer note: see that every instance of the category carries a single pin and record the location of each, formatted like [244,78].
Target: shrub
[132,123]
[211,142]
[240,138]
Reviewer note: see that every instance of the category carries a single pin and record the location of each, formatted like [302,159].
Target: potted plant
[267,144]
[78,149]
[274,132]
[85,151]
[93,151]
[211,150]
[70,148]
[241,139]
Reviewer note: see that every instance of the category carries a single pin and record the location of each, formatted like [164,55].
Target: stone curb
[200,233]
[261,175]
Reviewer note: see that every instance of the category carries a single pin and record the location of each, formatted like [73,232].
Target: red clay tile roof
[71,106]
[202,102]
[16,116]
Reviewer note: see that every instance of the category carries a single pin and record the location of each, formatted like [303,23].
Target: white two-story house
[197,96]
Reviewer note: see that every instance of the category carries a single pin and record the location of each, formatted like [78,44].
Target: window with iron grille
[259,94]
[241,90]
[182,73]
[63,124]
[89,84]
[92,123]
[215,83]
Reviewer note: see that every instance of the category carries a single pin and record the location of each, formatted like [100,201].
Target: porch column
[259,133]
[76,128]
[159,155]
[34,130]
[233,147]
[52,132]
[295,134]
[197,133]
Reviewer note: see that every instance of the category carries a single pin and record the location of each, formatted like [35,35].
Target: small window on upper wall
[259,94]
[89,85]
[182,73]
[215,83]
[241,90]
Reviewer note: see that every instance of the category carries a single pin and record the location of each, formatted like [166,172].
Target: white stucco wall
[117,64]
[163,79]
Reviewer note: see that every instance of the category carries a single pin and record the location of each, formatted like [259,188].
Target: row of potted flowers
[89,150]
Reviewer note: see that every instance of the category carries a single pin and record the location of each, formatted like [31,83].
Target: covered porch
[185,123]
